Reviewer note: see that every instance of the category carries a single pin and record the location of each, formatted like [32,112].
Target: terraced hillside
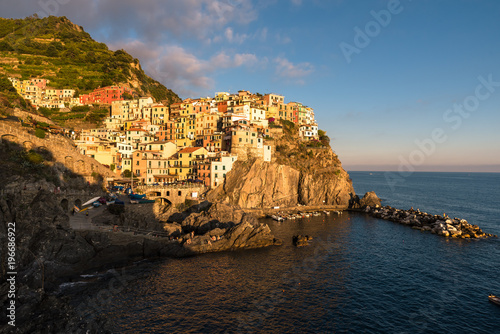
[54,48]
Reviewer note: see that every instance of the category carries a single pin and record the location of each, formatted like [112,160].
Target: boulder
[370,199]
[301,240]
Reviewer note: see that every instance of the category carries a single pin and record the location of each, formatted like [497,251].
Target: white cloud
[155,20]
[182,70]
[294,73]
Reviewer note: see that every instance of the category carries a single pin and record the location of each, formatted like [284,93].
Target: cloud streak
[293,73]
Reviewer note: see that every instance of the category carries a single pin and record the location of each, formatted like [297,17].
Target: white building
[220,167]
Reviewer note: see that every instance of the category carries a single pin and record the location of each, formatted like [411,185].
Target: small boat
[137,196]
[494,299]
[277,218]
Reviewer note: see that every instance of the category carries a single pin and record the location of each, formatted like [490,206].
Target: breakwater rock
[440,225]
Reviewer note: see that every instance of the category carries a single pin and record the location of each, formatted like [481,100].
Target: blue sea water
[358,275]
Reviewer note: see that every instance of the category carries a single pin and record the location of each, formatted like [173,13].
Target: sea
[358,275]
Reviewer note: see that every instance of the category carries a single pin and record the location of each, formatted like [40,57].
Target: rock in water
[370,199]
[301,240]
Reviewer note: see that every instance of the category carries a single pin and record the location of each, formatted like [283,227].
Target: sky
[398,85]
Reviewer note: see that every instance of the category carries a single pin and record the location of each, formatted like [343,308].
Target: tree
[52,51]
[127,96]
[127,173]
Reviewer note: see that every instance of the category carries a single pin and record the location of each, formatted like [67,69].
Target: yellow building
[188,159]
[159,114]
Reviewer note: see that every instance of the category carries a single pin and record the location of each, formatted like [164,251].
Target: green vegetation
[84,113]
[97,177]
[9,97]
[40,133]
[17,160]
[54,48]
[288,127]
[323,138]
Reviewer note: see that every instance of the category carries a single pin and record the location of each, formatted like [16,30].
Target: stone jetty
[440,225]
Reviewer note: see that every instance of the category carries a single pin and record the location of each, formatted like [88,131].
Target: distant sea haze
[495,168]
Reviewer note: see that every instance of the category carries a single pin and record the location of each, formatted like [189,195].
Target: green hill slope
[54,48]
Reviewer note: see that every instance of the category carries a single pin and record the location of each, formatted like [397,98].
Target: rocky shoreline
[437,224]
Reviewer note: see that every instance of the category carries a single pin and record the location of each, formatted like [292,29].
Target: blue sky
[420,59]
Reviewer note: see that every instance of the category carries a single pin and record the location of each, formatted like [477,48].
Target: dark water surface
[359,274]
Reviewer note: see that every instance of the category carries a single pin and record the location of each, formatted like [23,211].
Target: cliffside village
[196,140]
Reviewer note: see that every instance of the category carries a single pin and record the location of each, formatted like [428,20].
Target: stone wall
[62,149]
[25,116]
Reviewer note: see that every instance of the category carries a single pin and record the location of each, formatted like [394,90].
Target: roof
[158,142]
[136,129]
[190,149]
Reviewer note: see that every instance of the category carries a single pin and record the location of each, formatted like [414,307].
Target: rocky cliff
[298,174]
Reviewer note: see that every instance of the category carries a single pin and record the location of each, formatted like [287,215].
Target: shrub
[40,133]
[34,157]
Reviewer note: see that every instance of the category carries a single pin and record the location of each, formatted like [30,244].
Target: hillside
[56,49]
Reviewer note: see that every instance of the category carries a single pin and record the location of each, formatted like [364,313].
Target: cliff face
[326,187]
[306,173]
[260,184]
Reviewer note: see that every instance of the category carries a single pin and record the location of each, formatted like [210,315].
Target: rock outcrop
[224,227]
[301,240]
[370,199]
[301,172]
[259,184]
